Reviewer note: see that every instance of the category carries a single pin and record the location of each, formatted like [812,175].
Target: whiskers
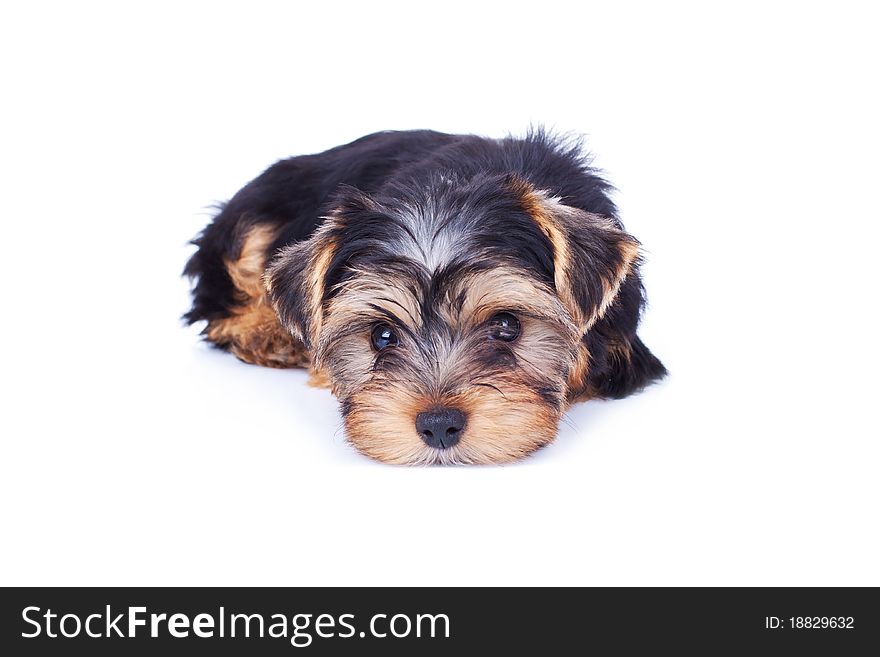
[493,387]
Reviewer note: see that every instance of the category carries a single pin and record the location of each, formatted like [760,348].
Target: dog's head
[451,318]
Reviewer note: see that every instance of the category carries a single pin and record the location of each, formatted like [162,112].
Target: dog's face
[450,320]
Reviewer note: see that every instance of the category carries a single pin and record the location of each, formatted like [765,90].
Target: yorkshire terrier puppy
[456,293]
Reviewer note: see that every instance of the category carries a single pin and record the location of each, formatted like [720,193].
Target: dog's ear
[295,283]
[295,279]
[592,256]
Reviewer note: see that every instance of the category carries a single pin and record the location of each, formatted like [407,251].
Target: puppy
[456,293]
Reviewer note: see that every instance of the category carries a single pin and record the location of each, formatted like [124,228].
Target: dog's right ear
[296,278]
[295,283]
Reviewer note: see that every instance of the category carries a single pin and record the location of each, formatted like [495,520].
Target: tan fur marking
[499,429]
[252,332]
[246,272]
[503,429]
[629,252]
[578,387]
[321,262]
[318,378]
[388,434]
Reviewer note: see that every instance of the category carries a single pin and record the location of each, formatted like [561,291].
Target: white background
[744,144]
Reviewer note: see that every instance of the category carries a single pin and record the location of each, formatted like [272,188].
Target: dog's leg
[251,330]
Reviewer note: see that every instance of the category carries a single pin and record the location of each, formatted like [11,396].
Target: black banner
[278,621]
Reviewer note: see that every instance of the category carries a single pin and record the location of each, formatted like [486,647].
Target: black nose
[440,428]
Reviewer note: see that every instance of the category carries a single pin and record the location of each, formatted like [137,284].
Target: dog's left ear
[592,255]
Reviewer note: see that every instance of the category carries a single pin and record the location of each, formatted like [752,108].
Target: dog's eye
[504,326]
[384,336]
